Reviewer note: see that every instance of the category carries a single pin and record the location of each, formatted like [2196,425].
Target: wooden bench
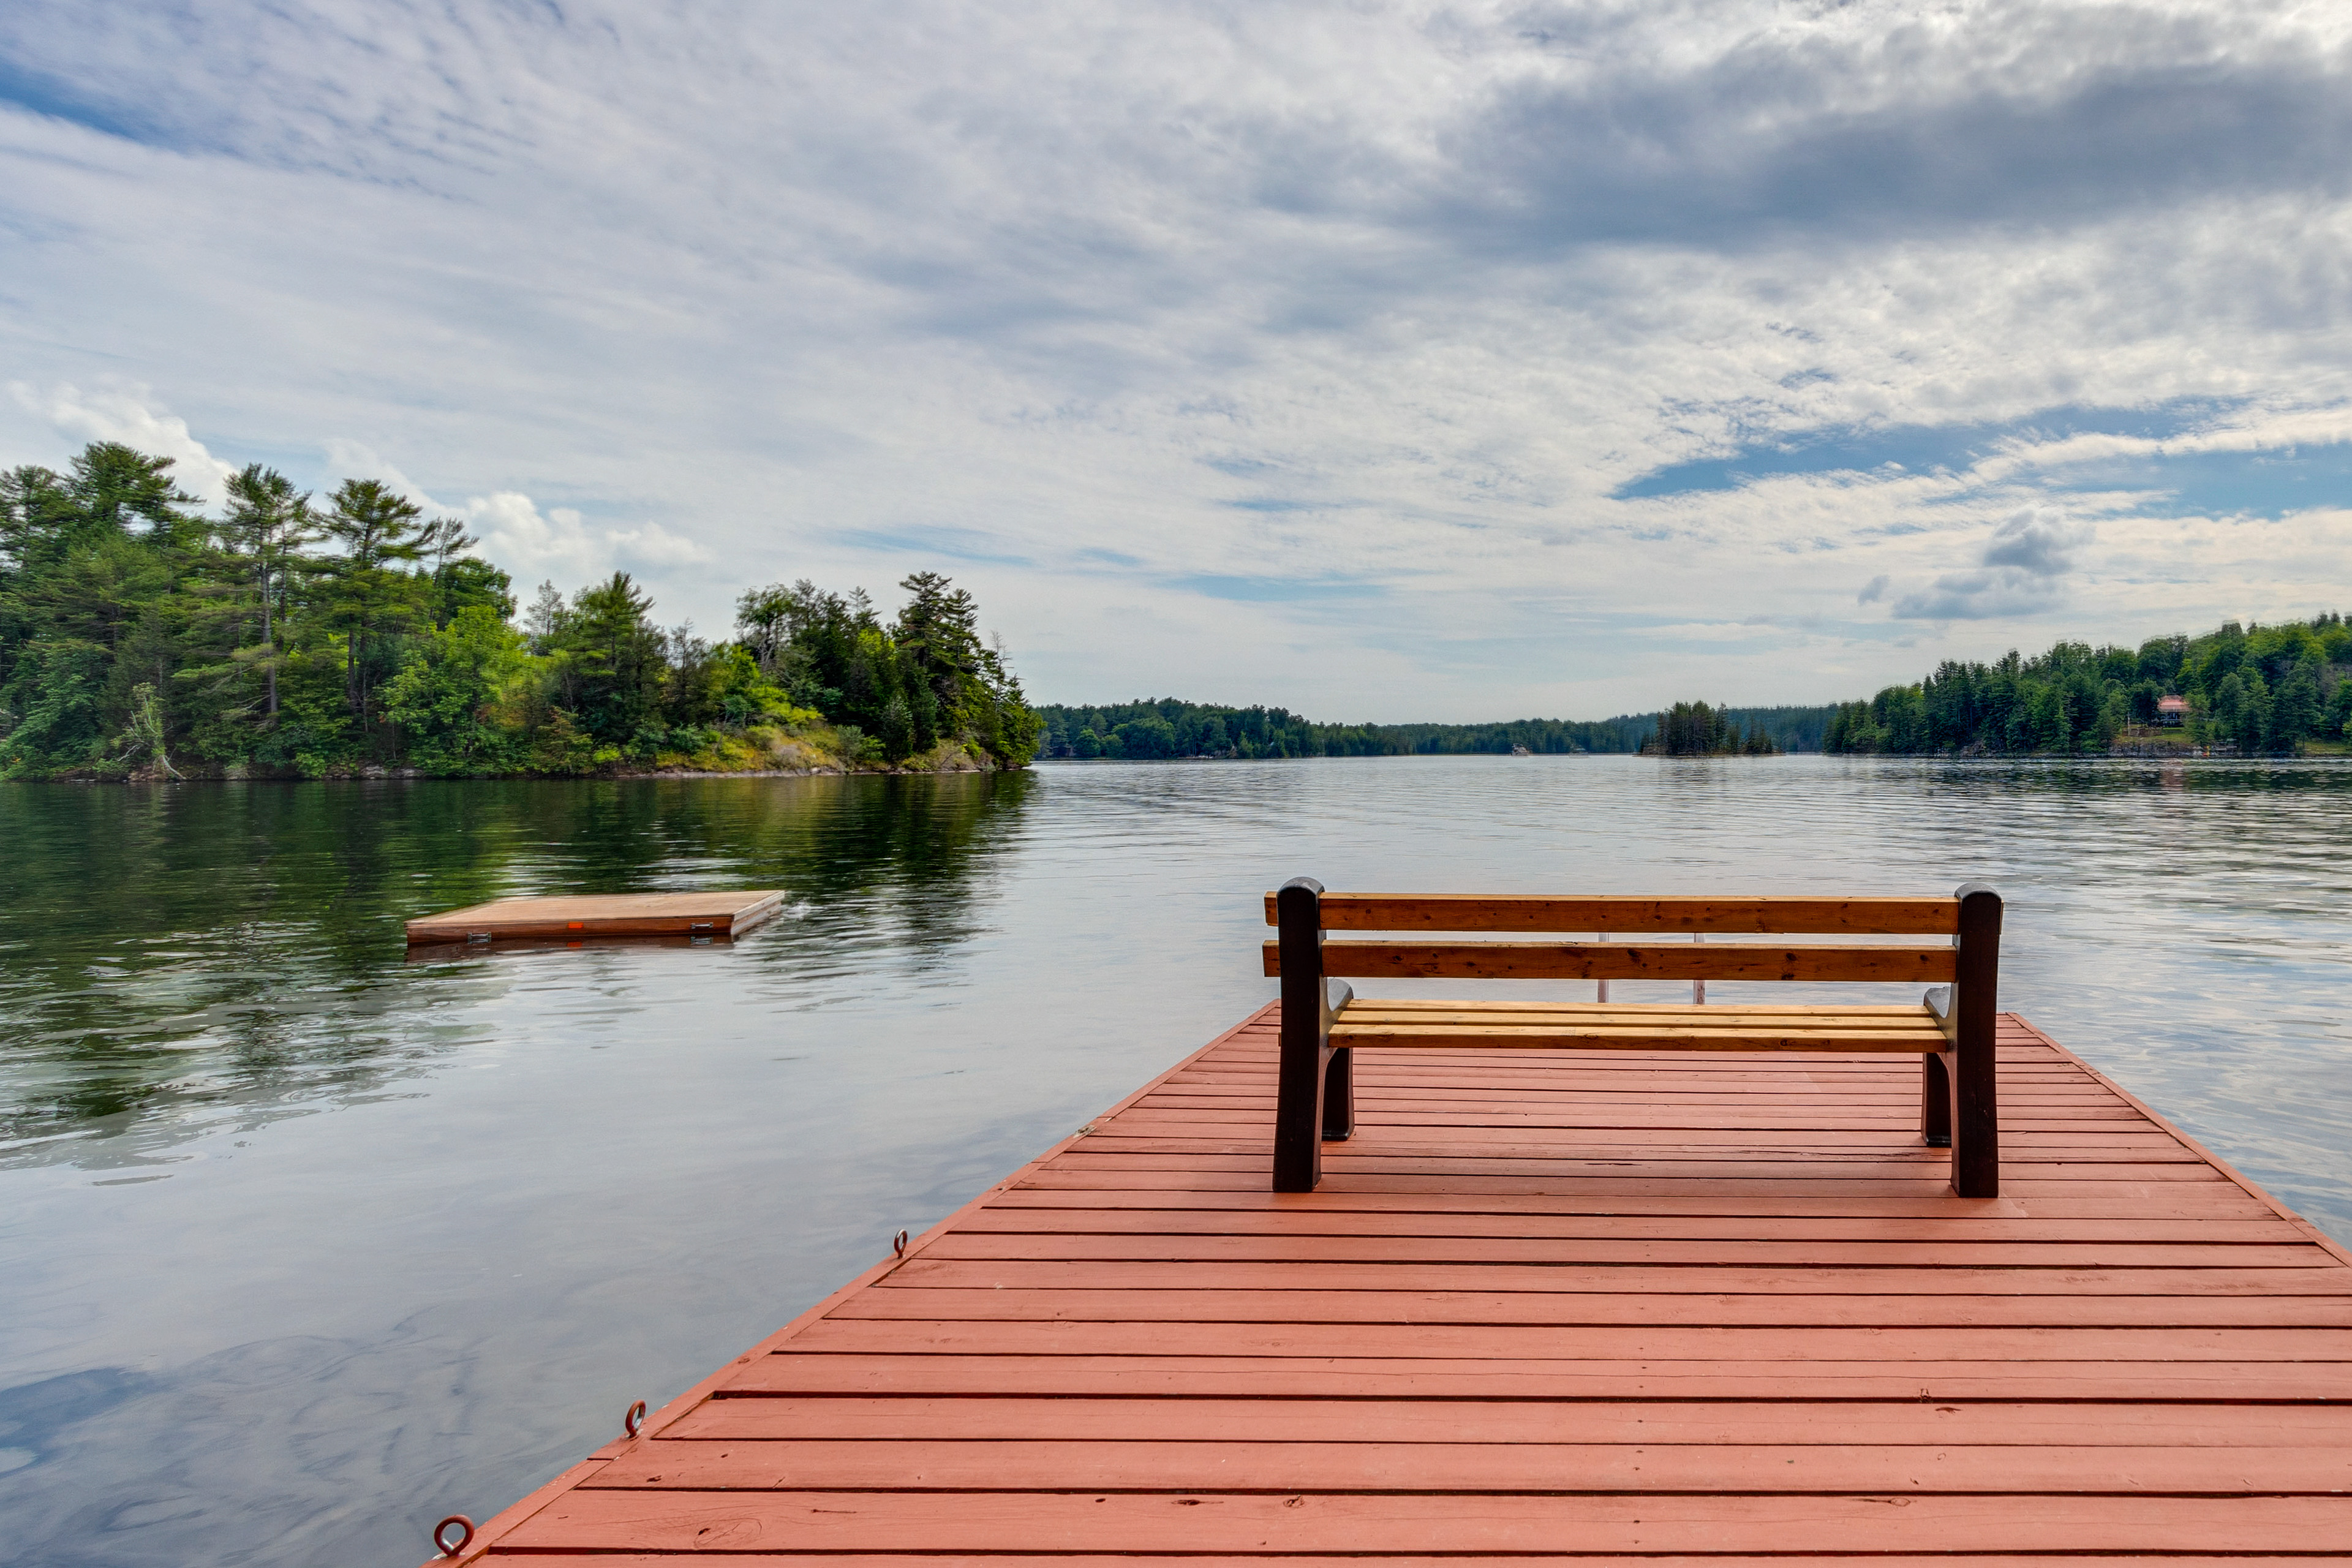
[1952,1029]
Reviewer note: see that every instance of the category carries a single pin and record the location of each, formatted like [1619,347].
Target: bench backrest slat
[1750,916]
[1879,963]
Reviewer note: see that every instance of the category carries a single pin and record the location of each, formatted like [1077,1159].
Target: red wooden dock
[1575,1304]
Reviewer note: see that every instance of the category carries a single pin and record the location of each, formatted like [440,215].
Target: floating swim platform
[600,914]
[1617,1307]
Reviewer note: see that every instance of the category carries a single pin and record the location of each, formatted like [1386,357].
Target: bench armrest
[1938,1002]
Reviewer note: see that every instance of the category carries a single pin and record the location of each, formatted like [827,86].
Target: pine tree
[370,599]
[267,526]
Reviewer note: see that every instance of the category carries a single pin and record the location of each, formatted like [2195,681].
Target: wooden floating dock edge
[601,914]
[1593,1305]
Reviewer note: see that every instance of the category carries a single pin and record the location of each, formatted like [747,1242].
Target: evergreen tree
[369,598]
[117,490]
[266,527]
[2296,709]
[613,659]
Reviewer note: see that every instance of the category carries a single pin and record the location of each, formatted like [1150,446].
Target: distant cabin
[2171,710]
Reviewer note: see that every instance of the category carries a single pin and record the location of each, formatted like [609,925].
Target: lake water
[304,1243]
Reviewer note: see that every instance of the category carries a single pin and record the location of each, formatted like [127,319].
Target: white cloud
[534,547]
[531,545]
[651,544]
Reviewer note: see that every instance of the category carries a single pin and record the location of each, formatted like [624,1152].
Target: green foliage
[609,661]
[2258,689]
[372,597]
[446,698]
[559,746]
[905,686]
[137,635]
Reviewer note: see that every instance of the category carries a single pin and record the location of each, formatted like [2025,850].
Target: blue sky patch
[1891,449]
[2262,483]
[42,93]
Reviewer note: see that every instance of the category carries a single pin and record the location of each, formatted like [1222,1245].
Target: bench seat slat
[1469,1026]
[1501,1005]
[1628,961]
[1472,1037]
[1917,1020]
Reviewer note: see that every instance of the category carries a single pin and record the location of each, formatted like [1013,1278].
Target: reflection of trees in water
[895,862]
[908,849]
[172,947]
[166,948]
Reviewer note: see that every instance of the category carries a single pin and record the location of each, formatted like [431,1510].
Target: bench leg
[1936,1100]
[1339,1095]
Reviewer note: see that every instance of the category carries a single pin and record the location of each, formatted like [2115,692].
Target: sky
[1383,362]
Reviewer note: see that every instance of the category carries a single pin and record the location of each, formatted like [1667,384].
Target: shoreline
[988,765]
[418,775]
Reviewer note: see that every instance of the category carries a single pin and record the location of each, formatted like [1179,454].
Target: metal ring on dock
[633,1419]
[441,1530]
[898,1244]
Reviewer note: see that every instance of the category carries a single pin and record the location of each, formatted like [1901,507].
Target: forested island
[2253,690]
[288,636]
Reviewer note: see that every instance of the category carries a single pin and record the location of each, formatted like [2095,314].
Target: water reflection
[167,950]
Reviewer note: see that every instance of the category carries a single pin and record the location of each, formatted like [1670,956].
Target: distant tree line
[139,636]
[2258,689]
[1169,728]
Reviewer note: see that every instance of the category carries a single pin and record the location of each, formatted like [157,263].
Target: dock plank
[1581,1303]
[1355,1523]
[1902,1422]
[1144,1462]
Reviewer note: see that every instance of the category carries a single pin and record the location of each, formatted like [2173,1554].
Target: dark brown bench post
[1308,1070]
[1975,1114]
